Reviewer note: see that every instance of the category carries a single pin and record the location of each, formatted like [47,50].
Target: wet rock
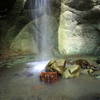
[24,41]
[83,63]
[94,67]
[73,36]
[56,65]
[72,71]
[29,39]
[87,71]
[76,29]
[14,30]
[9,28]
[97,77]
[80,4]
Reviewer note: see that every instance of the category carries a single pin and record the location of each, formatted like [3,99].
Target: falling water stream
[43,37]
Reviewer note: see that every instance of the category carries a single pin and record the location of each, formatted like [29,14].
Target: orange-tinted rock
[49,77]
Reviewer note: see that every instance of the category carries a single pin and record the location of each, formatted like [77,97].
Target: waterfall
[44,35]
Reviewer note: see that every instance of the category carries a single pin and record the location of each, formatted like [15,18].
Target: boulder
[57,65]
[79,4]
[78,32]
[72,71]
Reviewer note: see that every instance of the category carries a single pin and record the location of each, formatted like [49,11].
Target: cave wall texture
[17,27]
[79,29]
[77,26]
[12,20]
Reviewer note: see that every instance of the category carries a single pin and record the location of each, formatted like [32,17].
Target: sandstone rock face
[79,27]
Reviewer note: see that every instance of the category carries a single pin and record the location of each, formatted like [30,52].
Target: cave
[49,49]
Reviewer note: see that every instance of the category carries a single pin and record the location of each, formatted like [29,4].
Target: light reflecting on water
[37,67]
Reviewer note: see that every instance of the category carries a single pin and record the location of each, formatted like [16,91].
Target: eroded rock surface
[79,27]
[56,65]
[30,37]
[72,70]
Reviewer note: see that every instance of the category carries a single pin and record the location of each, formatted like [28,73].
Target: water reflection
[37,67]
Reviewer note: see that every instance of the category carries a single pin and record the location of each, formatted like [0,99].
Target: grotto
[49,49]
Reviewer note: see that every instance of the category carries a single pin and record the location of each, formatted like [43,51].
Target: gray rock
[79,30]
[79,4]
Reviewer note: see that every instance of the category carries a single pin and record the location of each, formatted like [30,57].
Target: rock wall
[25,39]
[15,26]
[11,22]
[79,30]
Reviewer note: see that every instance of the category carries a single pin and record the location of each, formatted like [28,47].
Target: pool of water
[22,82]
